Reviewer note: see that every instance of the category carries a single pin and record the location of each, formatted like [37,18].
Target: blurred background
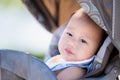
[19,30]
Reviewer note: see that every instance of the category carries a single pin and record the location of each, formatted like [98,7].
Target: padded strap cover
[102,58]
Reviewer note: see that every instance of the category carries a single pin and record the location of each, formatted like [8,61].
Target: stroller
[49,13]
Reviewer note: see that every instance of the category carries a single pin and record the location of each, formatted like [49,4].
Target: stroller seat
[21,66]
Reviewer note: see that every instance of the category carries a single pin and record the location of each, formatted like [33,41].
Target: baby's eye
[69,34]
[83,41]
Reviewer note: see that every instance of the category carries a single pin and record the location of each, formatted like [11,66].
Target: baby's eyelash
[83,41]
[69,34]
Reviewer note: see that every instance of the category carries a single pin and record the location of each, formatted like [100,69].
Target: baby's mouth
[68,51]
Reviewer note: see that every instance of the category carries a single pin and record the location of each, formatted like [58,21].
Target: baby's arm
[71,73]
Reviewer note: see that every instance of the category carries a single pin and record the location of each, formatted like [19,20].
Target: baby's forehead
[79,17]
[84,20]
[79,13]
[86,24]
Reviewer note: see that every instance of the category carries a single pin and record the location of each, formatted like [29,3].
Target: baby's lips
[68,51]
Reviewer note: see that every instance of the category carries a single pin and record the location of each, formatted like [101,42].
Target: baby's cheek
[61,44]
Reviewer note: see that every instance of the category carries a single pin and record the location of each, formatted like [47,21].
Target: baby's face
[79,40]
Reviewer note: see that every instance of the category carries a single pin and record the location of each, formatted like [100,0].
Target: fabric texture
[93,12]
[59,63]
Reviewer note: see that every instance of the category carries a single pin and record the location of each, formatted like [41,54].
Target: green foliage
[38,55]
[11,3]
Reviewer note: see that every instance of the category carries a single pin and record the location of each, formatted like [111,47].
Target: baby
[78,44]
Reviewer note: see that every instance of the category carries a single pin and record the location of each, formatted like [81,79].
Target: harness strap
[104,50]
[101,58]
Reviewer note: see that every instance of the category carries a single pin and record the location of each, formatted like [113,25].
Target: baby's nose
[72,44]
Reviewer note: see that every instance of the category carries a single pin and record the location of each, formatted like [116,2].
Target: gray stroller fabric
[17,65]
